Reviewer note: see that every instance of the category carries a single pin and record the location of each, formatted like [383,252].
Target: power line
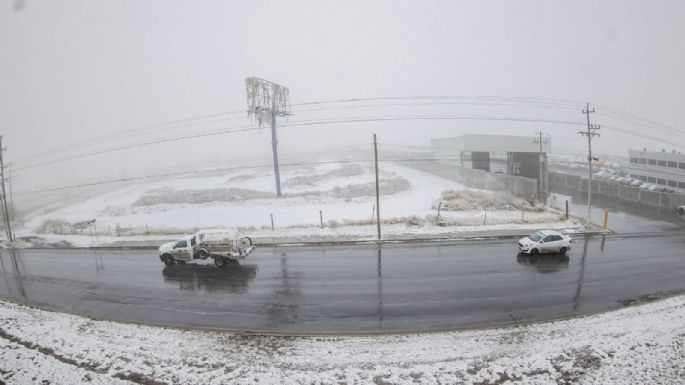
[138,131]
[130,146]
[243,167]
[290,124]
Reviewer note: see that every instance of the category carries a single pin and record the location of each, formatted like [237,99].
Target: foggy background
[87,87]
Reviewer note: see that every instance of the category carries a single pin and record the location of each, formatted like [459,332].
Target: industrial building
[514,155]
[657,167]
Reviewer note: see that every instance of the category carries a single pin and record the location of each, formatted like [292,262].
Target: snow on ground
[244,200]
[635,345]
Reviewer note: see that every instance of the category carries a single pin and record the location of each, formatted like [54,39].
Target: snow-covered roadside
[310,234]
[636,345]
[338,196]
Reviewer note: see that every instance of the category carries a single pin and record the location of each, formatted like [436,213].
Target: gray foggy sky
[74,70]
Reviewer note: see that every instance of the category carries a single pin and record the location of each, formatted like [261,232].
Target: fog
[73,71]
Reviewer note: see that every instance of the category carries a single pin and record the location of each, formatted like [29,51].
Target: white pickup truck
[222,245]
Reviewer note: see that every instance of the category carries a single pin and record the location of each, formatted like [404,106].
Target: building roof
[492,143]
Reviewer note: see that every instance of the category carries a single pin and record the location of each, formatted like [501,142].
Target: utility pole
[11,182]
[274,150]
[5,212]
[378,199]
[541,172]
[267,99]
[590,133]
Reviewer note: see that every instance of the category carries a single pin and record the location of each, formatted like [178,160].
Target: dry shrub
[172,196]
[472,200]
[54,226]
[310,180]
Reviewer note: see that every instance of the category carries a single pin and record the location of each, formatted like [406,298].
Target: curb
[338,243]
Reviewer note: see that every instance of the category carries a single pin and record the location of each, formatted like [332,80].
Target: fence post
[522,219]
[373,213]
[437,219]
[321,218]
[567,209]
[485,217]
[272,221]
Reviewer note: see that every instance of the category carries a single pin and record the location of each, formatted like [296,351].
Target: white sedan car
[545,241]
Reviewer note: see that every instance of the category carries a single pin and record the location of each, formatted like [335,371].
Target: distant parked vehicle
[545,241]
[223,246]
[681,212]
[635,183]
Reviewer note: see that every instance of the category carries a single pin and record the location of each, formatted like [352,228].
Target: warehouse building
[514,155]
[657,167]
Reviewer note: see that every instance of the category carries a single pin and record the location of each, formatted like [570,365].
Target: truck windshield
[536,236]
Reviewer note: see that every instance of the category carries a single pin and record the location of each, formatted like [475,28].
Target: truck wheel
[219,261]
[203,254]
[168,260]
[562,251]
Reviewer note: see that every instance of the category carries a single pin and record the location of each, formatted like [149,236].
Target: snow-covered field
[636,345]
[342,194]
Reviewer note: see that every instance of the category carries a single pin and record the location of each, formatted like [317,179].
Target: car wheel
[168,260]
[562,251]
[534,252]
[219,261]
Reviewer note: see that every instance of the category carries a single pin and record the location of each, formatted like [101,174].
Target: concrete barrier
[520,186]
[614,190]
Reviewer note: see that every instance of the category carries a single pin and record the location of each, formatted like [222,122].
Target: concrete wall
[610,189]
[522,187]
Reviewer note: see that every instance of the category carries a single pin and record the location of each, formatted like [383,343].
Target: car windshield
[536,236]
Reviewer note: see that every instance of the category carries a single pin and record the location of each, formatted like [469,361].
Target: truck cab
[181,251]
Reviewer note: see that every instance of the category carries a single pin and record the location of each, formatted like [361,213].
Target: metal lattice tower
[266,100]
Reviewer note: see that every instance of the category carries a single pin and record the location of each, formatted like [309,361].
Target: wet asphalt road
[351,289]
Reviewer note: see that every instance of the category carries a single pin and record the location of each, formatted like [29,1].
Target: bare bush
[468,200]
[172,196]
[387,187]
[310,180]
[54,226]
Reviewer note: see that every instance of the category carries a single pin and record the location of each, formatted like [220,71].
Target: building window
[641,160]
[651,179]
[662,163]
[681,184]
[661,181]
[652,162]
[642,178]
[633,160]
[672,183]
[673,164]
[681,165]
